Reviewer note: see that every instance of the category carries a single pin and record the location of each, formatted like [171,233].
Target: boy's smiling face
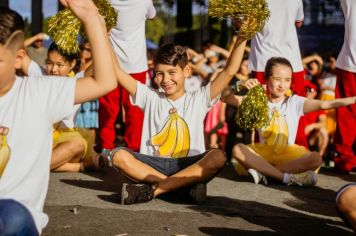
[171,79]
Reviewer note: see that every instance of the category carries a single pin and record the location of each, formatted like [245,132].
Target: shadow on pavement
[215,231]
[280,220]
[108,181]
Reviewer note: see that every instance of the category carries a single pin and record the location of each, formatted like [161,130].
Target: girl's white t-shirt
[192,107]
[292,110]
[29,110]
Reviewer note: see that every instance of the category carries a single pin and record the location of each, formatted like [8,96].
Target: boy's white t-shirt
[347,56]
[292,110]
[29,110]
[279,36]
[193,83]
[128,36]
[192,107]
[35,70]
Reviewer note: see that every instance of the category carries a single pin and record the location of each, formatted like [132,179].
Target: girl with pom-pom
[277,155]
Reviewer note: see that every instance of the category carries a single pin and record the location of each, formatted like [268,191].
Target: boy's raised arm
[103,80]
[124,79]
[231,68]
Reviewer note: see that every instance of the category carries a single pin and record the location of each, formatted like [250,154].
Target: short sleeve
[298,103]
[300,13]
[56,94]
[204,93]
[143,93]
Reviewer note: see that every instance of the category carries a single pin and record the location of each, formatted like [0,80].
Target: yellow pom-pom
[252,13]
[64,27]
[253,111]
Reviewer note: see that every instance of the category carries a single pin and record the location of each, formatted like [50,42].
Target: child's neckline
[178,99]
[277,102]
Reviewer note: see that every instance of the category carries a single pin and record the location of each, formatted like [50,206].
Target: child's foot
[105,154]
[198,193]
[96,162]
[257,177]
[136,193]
[308,178]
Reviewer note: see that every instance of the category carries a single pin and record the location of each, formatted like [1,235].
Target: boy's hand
[83,9]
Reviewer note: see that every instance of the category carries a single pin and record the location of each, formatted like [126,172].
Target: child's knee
[77,146]
[315,160]
[345,200]
[217,159]
[236,150]
[119,159]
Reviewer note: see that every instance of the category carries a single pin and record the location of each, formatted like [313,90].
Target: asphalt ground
[88,204]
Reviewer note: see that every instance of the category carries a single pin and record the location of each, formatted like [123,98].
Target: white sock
[286,178]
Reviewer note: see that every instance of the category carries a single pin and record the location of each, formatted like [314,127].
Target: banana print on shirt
[173,140]
[4,153]
[276,133]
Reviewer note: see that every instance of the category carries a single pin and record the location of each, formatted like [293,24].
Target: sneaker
[104,157]
[257,177]
[198,193]
[136,193]
[308,178]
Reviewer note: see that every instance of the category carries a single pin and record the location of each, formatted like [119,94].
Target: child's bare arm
[31,40]
[124,79]
[228,96]
[103,80]
[232,66]
[311,105]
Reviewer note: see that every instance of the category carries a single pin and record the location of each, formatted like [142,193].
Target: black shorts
[166,166]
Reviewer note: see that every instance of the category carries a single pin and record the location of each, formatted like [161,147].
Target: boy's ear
[187,71]
[19,58]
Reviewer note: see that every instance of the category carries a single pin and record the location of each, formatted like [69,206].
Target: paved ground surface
[87,204]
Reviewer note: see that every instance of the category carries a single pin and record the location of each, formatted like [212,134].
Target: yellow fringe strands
[253,111]
[64,27]
[252,13]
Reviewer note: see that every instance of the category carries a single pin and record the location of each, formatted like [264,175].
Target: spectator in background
[315,129]
[345,134]
[279,39]
[327,92]
[36,50]
[129,44]
[87,116]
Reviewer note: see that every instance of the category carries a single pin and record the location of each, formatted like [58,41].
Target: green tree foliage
[155,29]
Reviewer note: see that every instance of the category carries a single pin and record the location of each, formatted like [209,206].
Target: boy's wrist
[91,19]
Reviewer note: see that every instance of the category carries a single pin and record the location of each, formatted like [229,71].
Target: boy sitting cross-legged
[172,153]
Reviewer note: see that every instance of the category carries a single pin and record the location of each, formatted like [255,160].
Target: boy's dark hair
[10,21]
[68,57]
[274,61]
[170,54]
